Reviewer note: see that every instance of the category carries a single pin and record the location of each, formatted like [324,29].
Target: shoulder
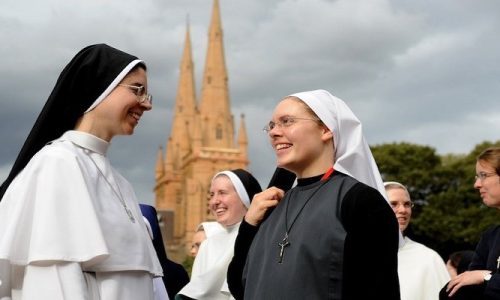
[56,151]
[361,194]
[418,247]
[493,230]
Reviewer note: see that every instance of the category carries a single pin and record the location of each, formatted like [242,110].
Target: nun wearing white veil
[332,236]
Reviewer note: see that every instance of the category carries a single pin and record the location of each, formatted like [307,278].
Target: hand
[261,202]
[466,278]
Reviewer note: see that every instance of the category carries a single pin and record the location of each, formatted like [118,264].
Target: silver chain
[117,193]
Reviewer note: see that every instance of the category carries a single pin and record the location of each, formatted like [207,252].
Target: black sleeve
[371,246]
[246,233]
[489,242]
[175,277]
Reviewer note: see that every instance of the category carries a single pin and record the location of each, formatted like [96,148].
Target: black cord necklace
[285,242]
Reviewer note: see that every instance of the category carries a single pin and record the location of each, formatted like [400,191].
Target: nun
[70,224]
[333,235]
[230,196]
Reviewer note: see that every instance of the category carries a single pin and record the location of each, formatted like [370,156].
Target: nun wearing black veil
[70,224]
[231,192]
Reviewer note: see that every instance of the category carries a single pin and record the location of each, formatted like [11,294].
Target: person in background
[333,235]
[230,194]
[204,231]
[482,279]
[198,237]
[70,224]
[174,274]
[458,262]
[422,272]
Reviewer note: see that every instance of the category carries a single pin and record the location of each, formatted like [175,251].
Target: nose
[213,200]
[477,183]
[276,131]
[400,209]
[146,105]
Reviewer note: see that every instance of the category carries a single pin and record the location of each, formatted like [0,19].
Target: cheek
[494,192]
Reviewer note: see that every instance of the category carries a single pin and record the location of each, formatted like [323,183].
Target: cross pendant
[130,215]
[284,243]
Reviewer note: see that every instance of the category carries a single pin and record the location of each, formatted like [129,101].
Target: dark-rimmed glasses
[285,121]
[140,92]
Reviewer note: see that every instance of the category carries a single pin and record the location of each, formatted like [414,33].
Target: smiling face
[224,202]
[303,146]
[119,112]
[401,205]
[489,186]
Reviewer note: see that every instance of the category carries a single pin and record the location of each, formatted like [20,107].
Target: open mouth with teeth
[283,146]
[135,115]
[220,211]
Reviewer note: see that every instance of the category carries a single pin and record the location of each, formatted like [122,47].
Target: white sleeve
[159,289]
[61,281]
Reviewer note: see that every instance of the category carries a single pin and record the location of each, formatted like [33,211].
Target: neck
[90,125]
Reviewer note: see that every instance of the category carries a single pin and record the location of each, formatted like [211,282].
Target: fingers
[261,202]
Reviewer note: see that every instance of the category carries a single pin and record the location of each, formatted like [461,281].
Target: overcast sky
[424,72]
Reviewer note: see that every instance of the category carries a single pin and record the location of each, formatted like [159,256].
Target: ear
[327,134]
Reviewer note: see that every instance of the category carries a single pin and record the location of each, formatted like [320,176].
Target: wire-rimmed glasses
[140,92]
[483,175]
[285,121]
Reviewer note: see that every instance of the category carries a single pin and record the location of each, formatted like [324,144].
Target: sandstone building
[202,142]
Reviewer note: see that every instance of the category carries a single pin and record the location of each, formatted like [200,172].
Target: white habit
[208,278]
[65,232]
[422,272]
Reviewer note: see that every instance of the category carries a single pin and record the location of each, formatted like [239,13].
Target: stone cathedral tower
[201,143]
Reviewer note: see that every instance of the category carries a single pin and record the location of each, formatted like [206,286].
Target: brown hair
[307,108]
[491,156]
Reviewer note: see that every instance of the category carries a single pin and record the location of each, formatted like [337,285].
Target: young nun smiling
[332,236]
[230,196]
[70,224]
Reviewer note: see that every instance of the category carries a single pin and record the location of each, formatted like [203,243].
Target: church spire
[185,102]
[214,103]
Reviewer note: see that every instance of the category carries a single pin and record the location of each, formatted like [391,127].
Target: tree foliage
[449,214]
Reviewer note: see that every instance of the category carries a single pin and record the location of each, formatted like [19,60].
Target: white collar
[87,141]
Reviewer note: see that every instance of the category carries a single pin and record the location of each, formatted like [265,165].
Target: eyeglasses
[140,92]
[483,175]
[285,121]
[409,204]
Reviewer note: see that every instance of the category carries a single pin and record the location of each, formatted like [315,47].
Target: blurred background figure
[198,237]
[174,275]
[458,262]
[422,272]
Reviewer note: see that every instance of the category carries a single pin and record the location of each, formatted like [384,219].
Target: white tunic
[422,272]
[65,231]
[209,274]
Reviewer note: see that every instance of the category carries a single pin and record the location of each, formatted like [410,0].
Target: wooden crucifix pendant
[284,243]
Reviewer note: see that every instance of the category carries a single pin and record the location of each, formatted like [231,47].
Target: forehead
[482,165]
[397,195]
[289,106]
[221,182]
[138,75]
